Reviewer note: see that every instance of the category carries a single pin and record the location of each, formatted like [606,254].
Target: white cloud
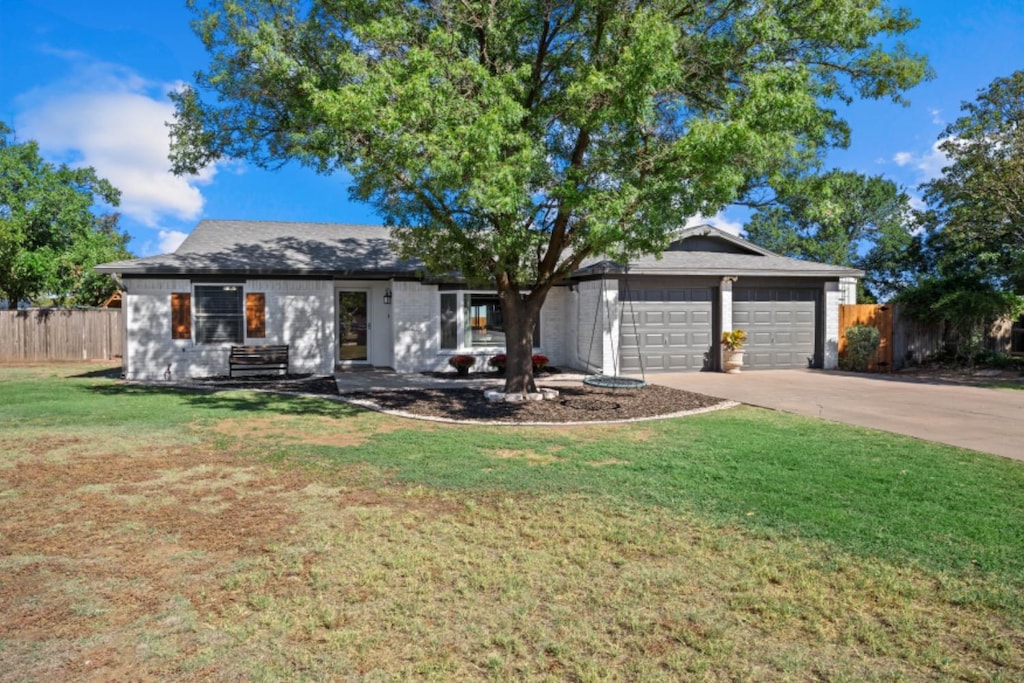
[718,220]
[936,115]
[903,158]
[928,165]
[108,117]
[171,240]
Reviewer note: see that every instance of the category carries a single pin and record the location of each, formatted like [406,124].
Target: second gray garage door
[780,324]
[665,329]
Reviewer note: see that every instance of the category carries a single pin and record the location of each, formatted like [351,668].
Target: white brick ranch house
[337,295]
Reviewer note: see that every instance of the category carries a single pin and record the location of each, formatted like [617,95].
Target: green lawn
[291,538]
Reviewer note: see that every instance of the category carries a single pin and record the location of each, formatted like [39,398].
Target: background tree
[973,250]
[510,140]
[976,208]
[49,236]
[846,219]
[74,282]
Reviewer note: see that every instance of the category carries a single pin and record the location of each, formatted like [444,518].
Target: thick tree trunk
[520,315]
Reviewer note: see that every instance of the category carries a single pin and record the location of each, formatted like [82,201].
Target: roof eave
[175,271]
[744,272]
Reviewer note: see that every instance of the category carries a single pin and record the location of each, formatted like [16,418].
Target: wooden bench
[269,357]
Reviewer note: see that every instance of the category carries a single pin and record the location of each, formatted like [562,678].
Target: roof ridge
[264,221]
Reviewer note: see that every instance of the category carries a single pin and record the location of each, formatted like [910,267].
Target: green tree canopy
[975,210]
[509,140]
[49,236]
[846,219]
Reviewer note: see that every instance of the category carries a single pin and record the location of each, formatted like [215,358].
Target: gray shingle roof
[276,248]
[733,256]
[280,248]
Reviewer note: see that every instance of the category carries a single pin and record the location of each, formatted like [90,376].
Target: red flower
[462,361]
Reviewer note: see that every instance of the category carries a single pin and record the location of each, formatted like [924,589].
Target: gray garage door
[780,324]
[665,329]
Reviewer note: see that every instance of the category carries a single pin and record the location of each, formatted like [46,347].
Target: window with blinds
[219,314]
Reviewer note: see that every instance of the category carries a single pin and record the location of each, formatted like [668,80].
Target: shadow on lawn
[234,399]
[102,373]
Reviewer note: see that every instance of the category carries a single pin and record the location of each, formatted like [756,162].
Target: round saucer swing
[613,382]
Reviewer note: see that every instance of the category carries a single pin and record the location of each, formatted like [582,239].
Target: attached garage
[671,309]
[781,325]
[667,329]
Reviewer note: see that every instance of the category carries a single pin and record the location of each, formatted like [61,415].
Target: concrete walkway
[989,420]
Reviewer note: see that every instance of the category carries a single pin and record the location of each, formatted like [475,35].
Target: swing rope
[612,381]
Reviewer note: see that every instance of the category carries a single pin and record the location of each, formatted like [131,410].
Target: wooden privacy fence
[60,334]
[879,316]
[902,340]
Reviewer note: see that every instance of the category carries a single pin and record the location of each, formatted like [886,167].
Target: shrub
[540,361]
[462,362]
[987,358]
[861,343]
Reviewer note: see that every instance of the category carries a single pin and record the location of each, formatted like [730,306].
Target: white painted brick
[833,297]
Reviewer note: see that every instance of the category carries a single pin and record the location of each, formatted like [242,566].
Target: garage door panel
[678,318]
[654,363]
[804,318]
[759,358]
[791,360]
[780,324]
[653,318]
[654,339]
[673,329]
[676,339]
[631,363]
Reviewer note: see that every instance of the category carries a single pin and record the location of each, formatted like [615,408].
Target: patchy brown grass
[530,457]
[203,561]
[194,564]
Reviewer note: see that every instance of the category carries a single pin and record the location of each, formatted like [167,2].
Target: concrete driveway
[989,420]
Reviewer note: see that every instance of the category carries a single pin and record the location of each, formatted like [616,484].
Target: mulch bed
[574,404]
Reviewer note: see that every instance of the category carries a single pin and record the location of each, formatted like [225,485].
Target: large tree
[50,238]
[846,219]
[509,140]
[975,210]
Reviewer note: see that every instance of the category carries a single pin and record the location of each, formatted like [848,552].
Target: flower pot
[734,361]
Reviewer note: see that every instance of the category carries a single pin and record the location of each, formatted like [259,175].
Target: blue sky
[89,82]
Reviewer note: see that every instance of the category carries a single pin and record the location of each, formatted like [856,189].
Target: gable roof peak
[712,232]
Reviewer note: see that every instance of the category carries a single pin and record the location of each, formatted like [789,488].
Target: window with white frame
[474,319]
[219,314]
